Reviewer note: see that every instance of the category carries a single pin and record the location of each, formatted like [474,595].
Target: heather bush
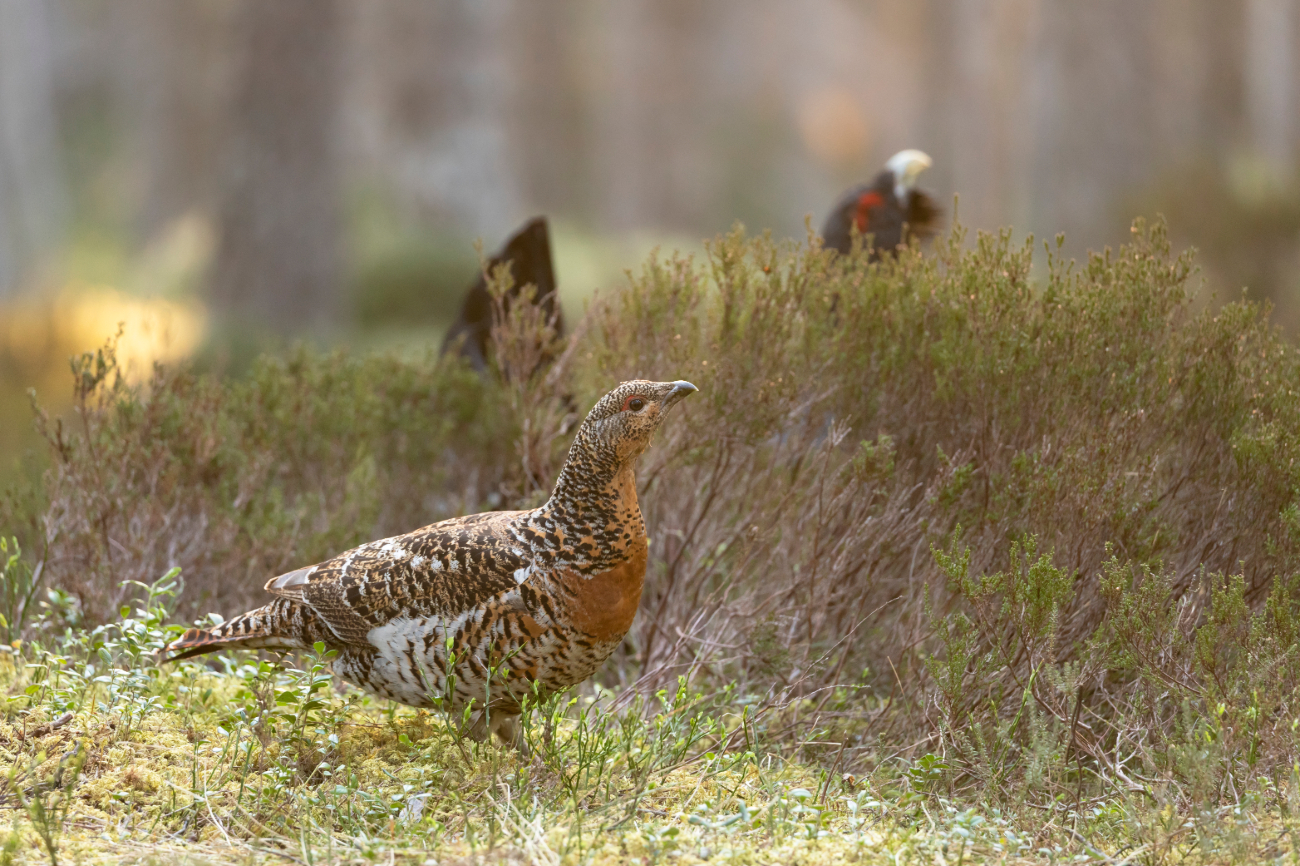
[1043,529]
[233,480]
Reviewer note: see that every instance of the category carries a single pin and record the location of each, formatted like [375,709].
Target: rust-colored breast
[604,606]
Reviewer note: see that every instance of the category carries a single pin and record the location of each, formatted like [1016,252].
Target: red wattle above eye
[627,404]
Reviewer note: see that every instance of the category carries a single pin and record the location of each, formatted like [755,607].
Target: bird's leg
[504,725]
[509,732]
[478,727]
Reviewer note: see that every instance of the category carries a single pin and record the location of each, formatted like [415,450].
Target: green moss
[1107,644]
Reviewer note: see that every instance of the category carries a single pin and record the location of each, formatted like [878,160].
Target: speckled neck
[588,473]
[592,518]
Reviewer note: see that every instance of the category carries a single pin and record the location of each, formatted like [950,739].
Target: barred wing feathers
[443,570]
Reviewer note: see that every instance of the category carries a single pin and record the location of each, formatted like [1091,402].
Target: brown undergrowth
[1037,537]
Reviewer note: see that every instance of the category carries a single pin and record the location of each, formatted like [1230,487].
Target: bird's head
[619,427]
[906,166]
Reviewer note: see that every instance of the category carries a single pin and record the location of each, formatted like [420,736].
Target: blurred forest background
[226,175]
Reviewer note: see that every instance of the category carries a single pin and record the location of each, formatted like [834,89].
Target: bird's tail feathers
[253,630]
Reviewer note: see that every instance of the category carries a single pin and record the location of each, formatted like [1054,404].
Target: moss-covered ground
[958,557]
[112,759]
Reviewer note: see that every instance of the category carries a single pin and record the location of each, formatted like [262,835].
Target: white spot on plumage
[291,579]
[394,549]
[394,632]
[417,561]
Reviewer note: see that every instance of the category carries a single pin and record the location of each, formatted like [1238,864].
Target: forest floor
[242,761]
[949,564]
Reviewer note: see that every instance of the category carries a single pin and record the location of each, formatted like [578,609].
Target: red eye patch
[640,403]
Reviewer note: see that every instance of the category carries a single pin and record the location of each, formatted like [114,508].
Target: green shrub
[235,480]
[1109,454]
[18,591]
[413,281]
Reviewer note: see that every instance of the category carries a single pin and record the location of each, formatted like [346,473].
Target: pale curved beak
[681,388]
[906,166]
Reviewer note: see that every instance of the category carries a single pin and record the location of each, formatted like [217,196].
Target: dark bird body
[528,252]
[890,209]
[482,608]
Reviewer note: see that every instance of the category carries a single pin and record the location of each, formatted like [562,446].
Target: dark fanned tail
[269,627]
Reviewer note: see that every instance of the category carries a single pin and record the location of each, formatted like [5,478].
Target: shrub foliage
[1043,513]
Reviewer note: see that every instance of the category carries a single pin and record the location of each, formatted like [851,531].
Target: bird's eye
[636,404]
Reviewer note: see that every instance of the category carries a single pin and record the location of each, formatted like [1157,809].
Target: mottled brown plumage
[501,601]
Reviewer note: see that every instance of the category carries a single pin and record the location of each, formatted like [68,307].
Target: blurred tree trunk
[548,134]
[32,204]
[174,87]
[430,112]
[654,120]
[1270,78]
[980,57]
[278,259]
